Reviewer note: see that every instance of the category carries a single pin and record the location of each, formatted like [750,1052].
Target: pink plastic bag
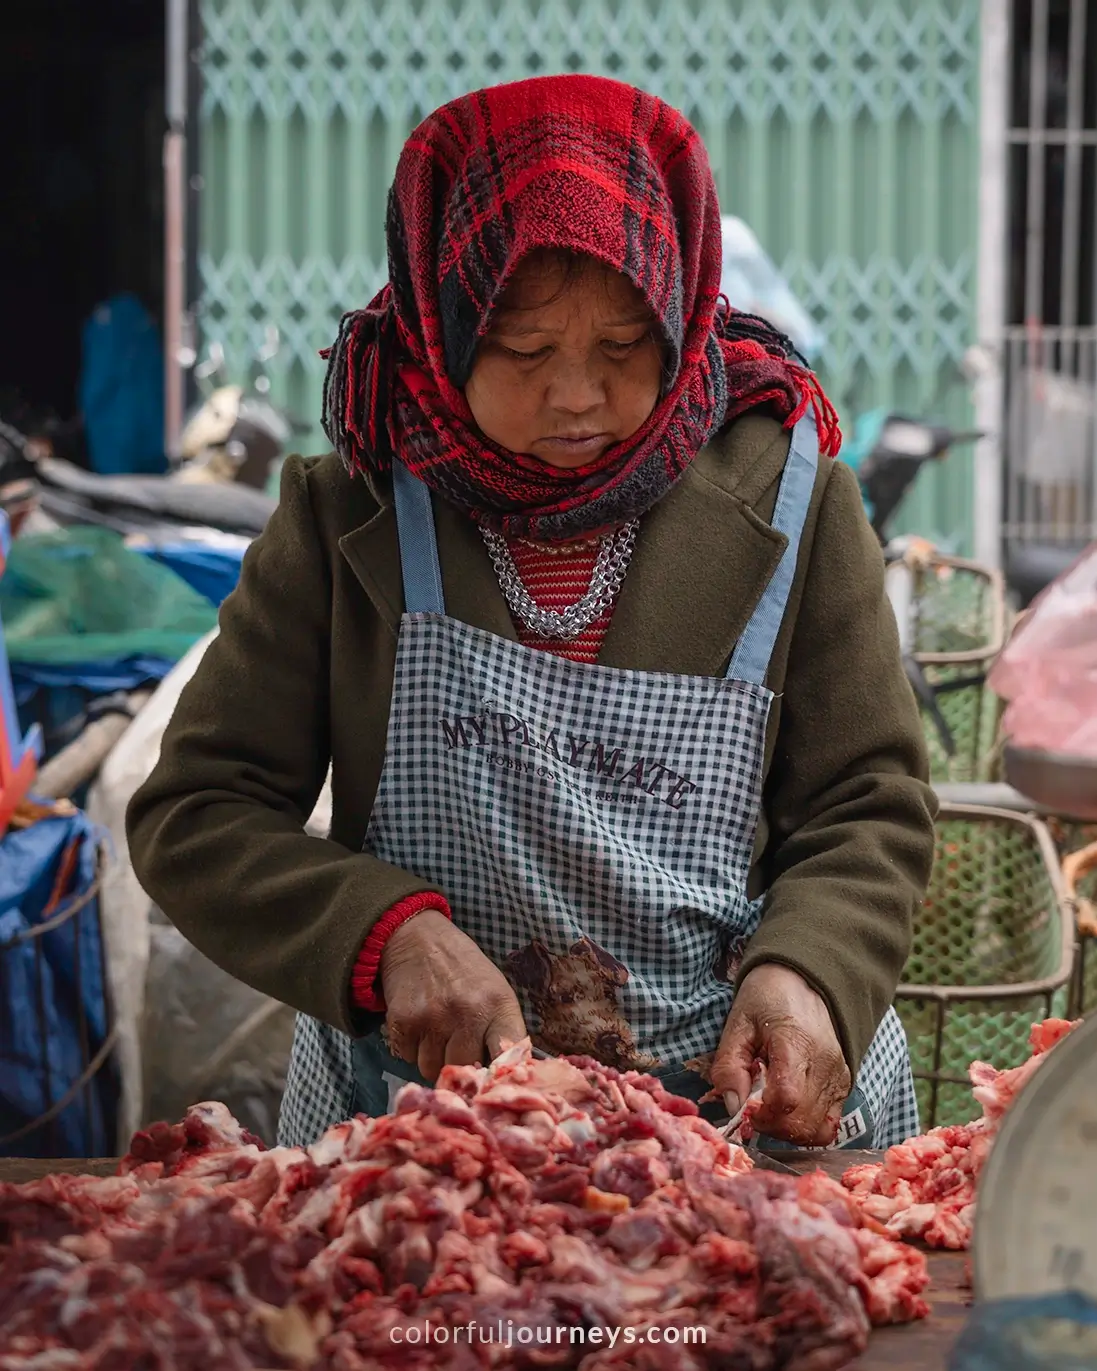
[1048,670]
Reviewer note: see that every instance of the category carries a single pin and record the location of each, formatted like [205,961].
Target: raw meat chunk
[559,1199]
[925,1187]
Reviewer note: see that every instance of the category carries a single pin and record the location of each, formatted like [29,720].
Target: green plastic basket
[956,629]
[993,953]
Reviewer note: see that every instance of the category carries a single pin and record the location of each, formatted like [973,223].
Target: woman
[594,635]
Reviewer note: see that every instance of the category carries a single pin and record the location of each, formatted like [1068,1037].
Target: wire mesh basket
[59,1088]
[993,953]
[955,628]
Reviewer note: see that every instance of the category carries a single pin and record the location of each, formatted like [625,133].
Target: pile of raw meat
[544,1213]
[925,1188]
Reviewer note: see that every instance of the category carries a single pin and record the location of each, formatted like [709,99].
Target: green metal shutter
[843,131]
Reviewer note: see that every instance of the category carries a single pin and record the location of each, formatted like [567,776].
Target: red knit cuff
[363,981]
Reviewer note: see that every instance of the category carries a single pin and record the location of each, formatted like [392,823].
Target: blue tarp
[56,697]
[53,1001]
[98,678]
[212,572]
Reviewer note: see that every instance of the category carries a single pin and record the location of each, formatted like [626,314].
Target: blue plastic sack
[1046,1333]
[53,994]
[121,390]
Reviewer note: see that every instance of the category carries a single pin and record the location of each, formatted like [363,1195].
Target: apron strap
[751,658]
[419,564]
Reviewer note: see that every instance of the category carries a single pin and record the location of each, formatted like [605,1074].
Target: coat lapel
[468,578]
[372,552]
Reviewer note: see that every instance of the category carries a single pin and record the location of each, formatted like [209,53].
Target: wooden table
[923,1346]
[18,1171]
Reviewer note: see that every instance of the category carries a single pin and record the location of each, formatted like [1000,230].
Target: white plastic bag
[753,285]
[207,1036]
[130,926]
[1051,424]
[124,905]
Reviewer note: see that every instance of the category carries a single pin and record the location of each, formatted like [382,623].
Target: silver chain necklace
[612,562]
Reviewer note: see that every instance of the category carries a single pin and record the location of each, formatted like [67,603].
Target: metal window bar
[1050,341]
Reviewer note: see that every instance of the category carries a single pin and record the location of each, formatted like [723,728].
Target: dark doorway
[1053,163]
[82,106]
[1050,354]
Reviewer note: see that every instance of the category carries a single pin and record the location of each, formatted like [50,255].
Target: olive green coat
[301,673]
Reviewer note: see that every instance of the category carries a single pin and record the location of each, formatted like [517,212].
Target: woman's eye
[619,349]
[525,356]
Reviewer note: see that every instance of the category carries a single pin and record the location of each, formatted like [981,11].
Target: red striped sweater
[555,576]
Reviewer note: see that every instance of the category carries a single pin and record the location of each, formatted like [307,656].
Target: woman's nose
[577,385]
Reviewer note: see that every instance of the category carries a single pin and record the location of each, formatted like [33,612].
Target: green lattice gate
[843,131]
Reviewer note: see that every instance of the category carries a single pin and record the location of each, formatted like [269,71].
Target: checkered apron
[593,829]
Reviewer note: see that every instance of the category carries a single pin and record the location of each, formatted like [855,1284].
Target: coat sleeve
[851,816]
[216,834]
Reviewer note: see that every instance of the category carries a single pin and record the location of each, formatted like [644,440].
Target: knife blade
[763,1161]
[537,1052]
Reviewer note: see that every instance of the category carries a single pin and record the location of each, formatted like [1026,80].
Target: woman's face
[570,365]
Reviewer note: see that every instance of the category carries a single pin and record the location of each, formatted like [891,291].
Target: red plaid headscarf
[574,163]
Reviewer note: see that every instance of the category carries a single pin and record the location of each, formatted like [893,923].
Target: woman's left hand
[777,1018]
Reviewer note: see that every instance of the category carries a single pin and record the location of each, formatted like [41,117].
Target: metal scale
[1036,1217]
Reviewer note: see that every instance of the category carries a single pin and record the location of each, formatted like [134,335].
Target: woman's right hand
[447,1004]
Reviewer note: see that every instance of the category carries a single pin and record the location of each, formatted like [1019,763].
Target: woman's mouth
[586,446]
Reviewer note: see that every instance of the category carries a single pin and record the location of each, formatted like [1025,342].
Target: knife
[763,1161]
